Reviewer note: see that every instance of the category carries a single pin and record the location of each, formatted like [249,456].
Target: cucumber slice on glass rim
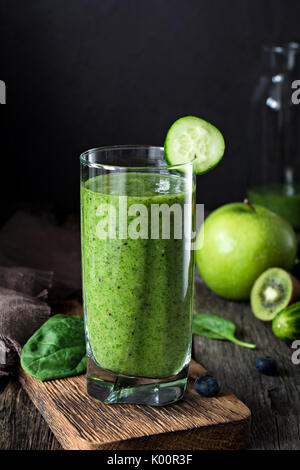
[192,138]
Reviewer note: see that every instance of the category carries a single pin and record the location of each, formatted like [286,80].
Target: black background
[86,73]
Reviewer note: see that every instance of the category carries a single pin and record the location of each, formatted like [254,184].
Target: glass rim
[84,161]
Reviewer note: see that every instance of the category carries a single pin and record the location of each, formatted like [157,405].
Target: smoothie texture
[137,292]
[284,199]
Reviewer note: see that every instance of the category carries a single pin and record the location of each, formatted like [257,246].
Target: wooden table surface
[274,401]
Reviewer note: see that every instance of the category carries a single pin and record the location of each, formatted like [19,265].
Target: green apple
[237,242]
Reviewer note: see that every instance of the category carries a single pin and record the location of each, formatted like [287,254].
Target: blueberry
[207,386]
[266,365]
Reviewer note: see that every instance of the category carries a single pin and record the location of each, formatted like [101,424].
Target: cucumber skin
[286,324]
[206,123]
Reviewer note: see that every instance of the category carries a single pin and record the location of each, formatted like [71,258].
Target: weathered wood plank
[21,425]
[274,401]
[80,422]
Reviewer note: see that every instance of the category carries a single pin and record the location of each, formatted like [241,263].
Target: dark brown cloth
[50,253]
[26,280]
[22,311]
[39,242]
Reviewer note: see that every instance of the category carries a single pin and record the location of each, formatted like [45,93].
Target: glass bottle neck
[281,59]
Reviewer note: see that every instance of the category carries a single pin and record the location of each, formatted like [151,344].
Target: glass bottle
[274,134]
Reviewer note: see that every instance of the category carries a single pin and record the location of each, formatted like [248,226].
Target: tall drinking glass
[137,219]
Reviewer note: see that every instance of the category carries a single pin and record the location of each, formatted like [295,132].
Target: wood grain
[274,401]
[21,425]
[80,422]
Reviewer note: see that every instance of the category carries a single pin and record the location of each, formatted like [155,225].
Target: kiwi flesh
[273,291]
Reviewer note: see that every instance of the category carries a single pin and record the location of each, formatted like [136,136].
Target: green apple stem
[242,343]
[246,201]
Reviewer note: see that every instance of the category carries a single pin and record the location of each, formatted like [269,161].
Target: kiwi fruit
[273,291]
[296,268]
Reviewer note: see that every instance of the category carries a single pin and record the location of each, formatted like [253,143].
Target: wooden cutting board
[79,422]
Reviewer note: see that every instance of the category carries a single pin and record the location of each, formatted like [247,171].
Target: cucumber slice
[191,137]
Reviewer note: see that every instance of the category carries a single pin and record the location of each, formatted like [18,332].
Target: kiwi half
[273,291]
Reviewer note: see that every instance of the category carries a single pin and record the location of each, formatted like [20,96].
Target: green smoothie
[280,198]
[137,292]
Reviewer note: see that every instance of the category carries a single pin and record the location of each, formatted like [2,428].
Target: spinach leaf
[213,327]
[56,350]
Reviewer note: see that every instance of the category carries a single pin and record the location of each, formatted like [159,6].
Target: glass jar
[274,134]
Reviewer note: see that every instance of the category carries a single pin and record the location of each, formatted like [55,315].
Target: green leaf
[57,349]
[213,327]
